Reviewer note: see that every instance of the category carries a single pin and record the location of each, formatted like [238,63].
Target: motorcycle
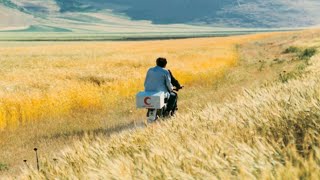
[156,104]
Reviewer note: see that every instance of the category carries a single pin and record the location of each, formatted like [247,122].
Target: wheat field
[268,132]
[53,94]
[52,80]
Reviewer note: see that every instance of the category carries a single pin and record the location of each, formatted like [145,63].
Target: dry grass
[271,132]
[204,85]
[53,80]
[54,93]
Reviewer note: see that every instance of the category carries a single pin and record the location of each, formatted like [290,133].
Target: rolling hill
[155,16]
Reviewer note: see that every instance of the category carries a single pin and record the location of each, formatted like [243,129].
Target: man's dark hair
[162,62]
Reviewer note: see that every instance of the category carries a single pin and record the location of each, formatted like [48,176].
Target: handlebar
[178,88]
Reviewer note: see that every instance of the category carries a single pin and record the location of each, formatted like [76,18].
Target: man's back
[158,79]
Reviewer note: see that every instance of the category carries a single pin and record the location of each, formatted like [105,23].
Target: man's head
[162,62]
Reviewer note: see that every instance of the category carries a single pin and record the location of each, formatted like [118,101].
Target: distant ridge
[155,15]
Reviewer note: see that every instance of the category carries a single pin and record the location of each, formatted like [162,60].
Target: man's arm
[174,81]
[145,80]
[168,82]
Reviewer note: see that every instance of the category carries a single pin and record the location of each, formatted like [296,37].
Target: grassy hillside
[54,93]
[270,131]
[221,130]
[56,79]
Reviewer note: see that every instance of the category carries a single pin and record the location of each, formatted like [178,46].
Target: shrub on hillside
[307,53]
[3,167]
[292,49]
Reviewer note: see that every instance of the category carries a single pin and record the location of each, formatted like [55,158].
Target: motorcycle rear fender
[152,115]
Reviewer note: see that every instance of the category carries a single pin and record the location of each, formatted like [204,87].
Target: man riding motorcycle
[160,79]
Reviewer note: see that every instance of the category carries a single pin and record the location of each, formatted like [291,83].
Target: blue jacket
[158,79]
